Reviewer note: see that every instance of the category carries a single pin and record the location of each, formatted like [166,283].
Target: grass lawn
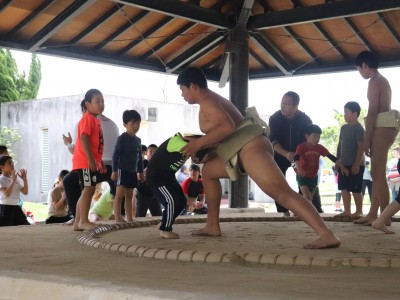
[39,210]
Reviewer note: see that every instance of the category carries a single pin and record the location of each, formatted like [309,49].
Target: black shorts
[90,178]
[127,179]
[351,183]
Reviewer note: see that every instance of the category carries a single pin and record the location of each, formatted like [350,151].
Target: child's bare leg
[385,217]
[358,200]
[128,204]
[75,225]
[169,235]
[119,195]
[133,203]
[346,196]
[306,192]
[382,139]
[84,206]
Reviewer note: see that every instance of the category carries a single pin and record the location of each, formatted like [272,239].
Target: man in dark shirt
[287,127]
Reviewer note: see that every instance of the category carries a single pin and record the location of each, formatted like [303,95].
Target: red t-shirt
[193,188]
[91,126]
[309,157]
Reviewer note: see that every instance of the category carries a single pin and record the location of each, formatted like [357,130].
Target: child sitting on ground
[11,213]
[57,202]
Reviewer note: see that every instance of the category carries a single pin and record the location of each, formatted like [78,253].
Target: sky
[320,95]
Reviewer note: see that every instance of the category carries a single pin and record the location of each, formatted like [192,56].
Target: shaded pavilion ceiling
[286,37]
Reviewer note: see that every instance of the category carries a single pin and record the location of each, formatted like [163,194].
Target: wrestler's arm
[275,138]
[219,125]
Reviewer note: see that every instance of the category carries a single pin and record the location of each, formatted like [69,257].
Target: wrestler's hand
[114,176]
[191,148]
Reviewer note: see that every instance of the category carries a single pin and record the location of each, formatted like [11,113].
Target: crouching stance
[223,124]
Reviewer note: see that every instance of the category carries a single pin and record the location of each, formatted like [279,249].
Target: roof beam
[168,40]
[31,17]
[103,59]
[315,13]
[145,35]
[121,30]
[258,59]
[95,24]
[210,42]
[183,10]
[76,8]
[5,4]
[277,59]
[358,34]
[389,27]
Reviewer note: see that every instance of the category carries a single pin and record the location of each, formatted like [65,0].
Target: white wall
[59,116]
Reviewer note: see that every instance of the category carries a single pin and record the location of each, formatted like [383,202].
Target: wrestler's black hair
[367,57]
[192,75]
[312,128]
[295,97]
[354,107]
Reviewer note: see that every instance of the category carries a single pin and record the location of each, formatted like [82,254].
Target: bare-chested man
[224,125]
[381,129]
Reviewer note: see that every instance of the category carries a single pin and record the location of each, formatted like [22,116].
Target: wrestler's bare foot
[367,220]
[327,240]
[207,231]
[83,226]
[380,226]
[169,235]
[159,226]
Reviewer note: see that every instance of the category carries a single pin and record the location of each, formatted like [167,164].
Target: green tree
[15,86]
[9,136]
